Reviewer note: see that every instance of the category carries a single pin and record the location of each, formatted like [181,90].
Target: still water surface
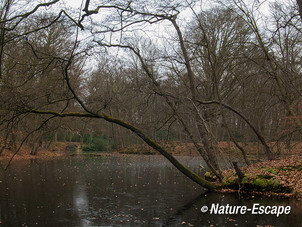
[118,190]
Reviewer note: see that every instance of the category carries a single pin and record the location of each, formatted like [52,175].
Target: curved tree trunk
[193,176]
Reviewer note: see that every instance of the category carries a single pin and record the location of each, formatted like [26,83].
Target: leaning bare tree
[197,73]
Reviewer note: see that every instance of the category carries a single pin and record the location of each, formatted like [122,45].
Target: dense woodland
[120,73]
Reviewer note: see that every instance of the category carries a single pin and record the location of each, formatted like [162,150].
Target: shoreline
[287,171]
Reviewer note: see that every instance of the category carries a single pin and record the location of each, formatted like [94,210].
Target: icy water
[117,190]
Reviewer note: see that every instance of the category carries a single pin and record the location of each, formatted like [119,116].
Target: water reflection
[176,217]
[80,200]
[117,191]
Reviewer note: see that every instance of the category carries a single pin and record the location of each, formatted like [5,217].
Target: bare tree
[222,72]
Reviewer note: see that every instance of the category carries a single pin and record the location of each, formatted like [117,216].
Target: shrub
[99,143]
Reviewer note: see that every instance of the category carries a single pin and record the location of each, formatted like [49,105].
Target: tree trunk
[207,138]
[194,177]
[299,3]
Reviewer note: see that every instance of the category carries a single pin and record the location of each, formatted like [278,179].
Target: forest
[117,74]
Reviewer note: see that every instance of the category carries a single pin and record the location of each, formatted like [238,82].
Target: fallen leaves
[288,171]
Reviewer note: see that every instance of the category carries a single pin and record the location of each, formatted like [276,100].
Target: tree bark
[238,171]
[207,139]
[258,134]
[299,3]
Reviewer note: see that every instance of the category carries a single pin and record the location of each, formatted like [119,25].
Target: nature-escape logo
[255,209]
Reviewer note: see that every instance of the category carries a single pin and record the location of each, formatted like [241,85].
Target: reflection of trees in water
[80,200]
[177,216]
[6,214]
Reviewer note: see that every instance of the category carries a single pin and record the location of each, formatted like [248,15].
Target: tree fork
[206,138]
[258,134]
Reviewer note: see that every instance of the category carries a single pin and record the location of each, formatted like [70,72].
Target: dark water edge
[120,190]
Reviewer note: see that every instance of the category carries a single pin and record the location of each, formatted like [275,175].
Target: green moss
[209,175]
[264,177]
[230,178]
[291,168]
[276,186]
[272,170]
[260,183]
[245,180]
[288,168]
[275,171]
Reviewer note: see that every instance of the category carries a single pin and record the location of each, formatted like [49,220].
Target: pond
[117,190]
